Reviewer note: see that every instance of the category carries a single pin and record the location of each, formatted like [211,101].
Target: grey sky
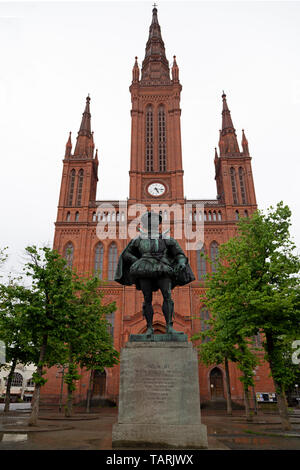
[54,54]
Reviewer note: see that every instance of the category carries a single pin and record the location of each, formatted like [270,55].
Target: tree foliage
[256,288]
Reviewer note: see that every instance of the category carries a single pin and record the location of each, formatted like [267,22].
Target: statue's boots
[168,310]
[148,314]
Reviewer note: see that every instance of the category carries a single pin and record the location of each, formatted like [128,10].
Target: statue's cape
[180,277]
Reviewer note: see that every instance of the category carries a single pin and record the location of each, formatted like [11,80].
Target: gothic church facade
[156,177]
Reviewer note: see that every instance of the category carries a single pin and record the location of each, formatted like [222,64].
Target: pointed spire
[155,67]
[245,144]
[216,154]
[85,128]
[226,117]
[228,143]
[85,142]
[96,155]
[68,146]
[135,72]
[175,71]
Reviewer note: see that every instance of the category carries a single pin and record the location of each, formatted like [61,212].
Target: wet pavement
[93,432]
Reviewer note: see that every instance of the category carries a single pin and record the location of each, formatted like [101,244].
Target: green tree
[46,313]
[17,339]
[226,344]
[256,286]
[87,338]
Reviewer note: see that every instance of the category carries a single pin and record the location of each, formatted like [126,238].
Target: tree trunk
[69,404]
[8,386]
[228,390]
[247,403]
[90,390]
[36,394]
[281,400]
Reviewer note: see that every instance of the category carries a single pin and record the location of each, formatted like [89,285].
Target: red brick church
[156,177]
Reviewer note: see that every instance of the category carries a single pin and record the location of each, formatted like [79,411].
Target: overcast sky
[54,53]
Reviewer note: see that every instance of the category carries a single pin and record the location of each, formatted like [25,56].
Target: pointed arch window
[71,187]
[77,217]
[233,186]
[111,321]
[112,261]
[162,139]
[17,380]
[149,138]
[201,263]
[214,255]
[98,261]
[79,188]
[204,316]
[242,185]
[68,217]
[69,254]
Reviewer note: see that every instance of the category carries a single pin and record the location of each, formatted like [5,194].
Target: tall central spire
[85,141]
[155,67]
[228,143]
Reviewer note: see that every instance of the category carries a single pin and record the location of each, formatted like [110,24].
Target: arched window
[165,215]
[209,215]
[242,185]
[201,263]
[219,215]
[79,188]
[246,213]
[77,217]
[162,140]
[69,253]
[214,255]
[233,186]
[17,380]
[204,316]
[149,138]
[98,262]
[214,215]
[236,215]
[71,187]
[94,217]
[68,217]
[111,321]
[112,261]
[205,216]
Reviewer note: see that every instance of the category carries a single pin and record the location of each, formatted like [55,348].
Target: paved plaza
[94,431]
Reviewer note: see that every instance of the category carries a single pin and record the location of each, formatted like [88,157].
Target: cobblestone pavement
[93,432]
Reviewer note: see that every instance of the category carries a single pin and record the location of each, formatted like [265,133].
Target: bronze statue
[152,261]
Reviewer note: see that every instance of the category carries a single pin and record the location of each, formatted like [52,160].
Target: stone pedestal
[159,401]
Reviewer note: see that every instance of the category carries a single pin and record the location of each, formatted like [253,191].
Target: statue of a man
[154,262]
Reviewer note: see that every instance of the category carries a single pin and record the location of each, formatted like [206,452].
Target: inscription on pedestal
[155,389]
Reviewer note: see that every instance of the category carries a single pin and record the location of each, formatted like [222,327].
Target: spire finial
[245,144]
[68,146]
[135,71]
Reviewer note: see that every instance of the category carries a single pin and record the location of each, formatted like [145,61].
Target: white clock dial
[156,189]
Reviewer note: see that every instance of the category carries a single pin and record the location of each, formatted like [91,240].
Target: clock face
[156,189]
